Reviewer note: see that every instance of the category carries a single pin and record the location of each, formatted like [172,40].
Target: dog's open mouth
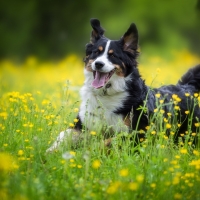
[100,79]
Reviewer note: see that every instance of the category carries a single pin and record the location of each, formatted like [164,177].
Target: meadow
[40,99]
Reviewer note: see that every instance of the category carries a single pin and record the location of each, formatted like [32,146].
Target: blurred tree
[51,29]
[41,27]
[196,35]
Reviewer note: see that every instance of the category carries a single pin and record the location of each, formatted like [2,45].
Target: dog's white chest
[97,111]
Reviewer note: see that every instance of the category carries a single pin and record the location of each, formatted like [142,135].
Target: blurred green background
[52,29]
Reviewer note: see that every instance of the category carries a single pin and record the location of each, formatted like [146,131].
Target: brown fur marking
[110,51]
[127,121]
[88,65]
[118,70]
[100,48]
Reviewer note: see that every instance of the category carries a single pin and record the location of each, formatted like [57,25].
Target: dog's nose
[99,64]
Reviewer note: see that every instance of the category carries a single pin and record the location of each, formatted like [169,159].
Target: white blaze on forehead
[104,58]
[106,49]
[105,53]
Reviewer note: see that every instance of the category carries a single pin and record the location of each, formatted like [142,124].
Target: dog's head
[107,58]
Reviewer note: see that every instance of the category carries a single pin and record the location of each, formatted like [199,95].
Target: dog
[114,95]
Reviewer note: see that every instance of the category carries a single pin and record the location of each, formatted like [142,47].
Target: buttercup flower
[158,95]
[71,125]
[168,126]
[75,120]
[124,172]
[187,94]
[93,133]
[187,112]
[96,164]
[76,109]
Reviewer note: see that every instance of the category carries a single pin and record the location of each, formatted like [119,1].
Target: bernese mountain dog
[114,97]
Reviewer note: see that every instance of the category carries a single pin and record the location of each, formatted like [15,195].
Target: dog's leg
[62,136]
[72,135]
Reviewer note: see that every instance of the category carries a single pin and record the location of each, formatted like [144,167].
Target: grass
[36,103]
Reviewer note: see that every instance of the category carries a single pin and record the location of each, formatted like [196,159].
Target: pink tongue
[99,80]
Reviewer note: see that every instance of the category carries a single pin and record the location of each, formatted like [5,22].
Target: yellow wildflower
[147,127]
[165,120]
[124,172]
[133,186]
[168,126]
[162,111]
[176,107]
[45,102]
[76,109]
[197,124]
[96,164]
[165,159]
[158,95]
[4,115]
[113,187]
[73,153]
[140,178]
[169,114]
[31,125]
[155,110]
[177,157]
[183,151]
[195,152]
[63,161]
[174,96]
[165,137]
[20,153]
[7,163]
[187,112]
[153,132]
[178,99]
[161,101]
[75,120]
[177,196]
[93,133]
[153,185]
[71,125]
[187,94]
[175,180]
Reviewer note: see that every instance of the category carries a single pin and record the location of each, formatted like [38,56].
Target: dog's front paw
[56,144]
[52,148]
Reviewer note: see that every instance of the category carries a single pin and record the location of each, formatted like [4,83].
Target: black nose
[99,64]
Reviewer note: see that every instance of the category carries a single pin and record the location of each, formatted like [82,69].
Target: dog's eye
[96,52]
[112,55]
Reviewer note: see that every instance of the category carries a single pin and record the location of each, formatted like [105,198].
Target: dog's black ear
[130,38]
[97,32]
